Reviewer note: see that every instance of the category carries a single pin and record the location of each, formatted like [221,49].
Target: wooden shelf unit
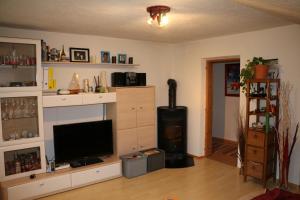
[134,118]
[260,153]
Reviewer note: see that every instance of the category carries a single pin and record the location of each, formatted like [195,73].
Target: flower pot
[261,71]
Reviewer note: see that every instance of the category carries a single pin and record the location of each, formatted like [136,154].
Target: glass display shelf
[19,118]
[18,63]
[22,160]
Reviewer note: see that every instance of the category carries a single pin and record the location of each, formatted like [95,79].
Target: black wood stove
[172,131]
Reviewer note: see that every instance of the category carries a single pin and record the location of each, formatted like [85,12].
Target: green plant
[247,73]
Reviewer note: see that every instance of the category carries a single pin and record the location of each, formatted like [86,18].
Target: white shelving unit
[78,99]
[22,150]
[67,63]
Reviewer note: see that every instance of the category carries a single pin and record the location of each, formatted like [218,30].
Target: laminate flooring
[208,179]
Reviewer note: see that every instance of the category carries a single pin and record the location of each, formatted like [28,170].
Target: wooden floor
[224,151]
[208,179]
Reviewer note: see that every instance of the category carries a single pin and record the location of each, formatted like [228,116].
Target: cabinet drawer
[254,169]
[40,187]
[62,100]
[99,98]
[146,137]
[256,138]
[96,175]
[255,154]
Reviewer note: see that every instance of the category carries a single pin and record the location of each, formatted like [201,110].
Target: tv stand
[85,161]
[61,180]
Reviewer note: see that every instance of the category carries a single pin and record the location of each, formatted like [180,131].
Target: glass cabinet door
[22,160]
[19,63]
[20,119]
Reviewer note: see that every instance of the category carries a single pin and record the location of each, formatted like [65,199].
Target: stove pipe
[172,93]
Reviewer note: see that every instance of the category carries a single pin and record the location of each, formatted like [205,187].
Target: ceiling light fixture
[158,13]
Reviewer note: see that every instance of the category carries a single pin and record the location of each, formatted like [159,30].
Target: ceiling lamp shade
[158,13]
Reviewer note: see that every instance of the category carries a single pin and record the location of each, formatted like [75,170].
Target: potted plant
[256,68]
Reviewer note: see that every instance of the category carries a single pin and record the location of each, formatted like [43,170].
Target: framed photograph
[79,55]
[105,57]
[232,79]
[122,58]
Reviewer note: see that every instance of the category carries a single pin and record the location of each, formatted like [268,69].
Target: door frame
[209,99]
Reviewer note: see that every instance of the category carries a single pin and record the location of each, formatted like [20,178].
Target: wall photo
[232,79]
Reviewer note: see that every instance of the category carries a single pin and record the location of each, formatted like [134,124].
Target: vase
[261,71]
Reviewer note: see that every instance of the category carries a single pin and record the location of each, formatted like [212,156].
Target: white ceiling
[189,19]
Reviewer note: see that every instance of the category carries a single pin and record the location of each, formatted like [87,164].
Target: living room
[227,30]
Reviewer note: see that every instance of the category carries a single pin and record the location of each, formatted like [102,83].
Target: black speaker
[130,78]
[118,79]
[141,79]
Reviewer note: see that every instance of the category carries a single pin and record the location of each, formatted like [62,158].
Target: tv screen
[79,140]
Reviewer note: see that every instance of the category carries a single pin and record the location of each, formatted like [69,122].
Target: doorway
[222,110]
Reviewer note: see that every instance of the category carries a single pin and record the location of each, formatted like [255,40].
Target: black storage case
[155,161]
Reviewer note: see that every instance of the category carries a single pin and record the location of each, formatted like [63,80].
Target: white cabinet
[58,181]
[21,118]
[78,99]
[96,174]
[20,61]
[40,187]
[96,98]
[22,160]
[62,100]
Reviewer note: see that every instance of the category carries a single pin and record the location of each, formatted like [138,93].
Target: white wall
[282,43]
[156,59]
[186,63]
[225,108]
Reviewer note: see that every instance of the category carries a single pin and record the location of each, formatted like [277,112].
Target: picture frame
[232,79]
[105,57]
[79,55]
[122,58]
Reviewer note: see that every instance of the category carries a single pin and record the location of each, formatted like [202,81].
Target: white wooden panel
[96,174]
[62,100]
[98,98]
[40,187]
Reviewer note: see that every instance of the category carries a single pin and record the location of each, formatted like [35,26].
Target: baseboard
[292,186]
[197,157]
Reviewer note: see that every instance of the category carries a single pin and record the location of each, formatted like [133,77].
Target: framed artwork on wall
[105,57]
[122,58]
[232,79]
[79,55]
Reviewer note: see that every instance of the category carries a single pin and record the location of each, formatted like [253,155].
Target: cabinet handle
[100,97]
[63,99]
[253,167]
[142,146]
[133,148]
[97,171]
[141,107]
[42,184]
[255,136]
[254,151]
[132,108]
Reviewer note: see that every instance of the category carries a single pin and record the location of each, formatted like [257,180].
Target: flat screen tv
[80,140]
